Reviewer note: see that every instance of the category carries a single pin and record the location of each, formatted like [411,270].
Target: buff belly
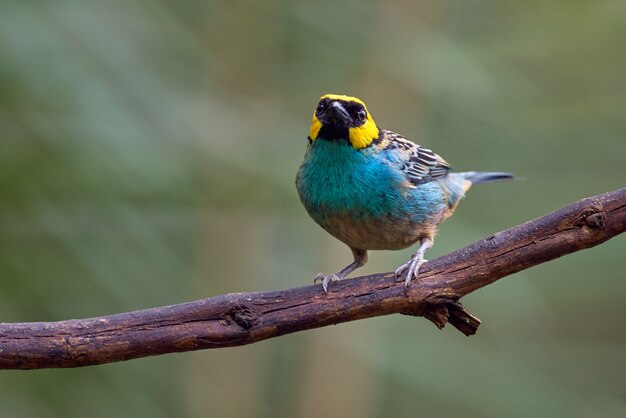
[377,234]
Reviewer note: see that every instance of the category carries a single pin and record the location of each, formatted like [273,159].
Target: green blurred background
[147,157]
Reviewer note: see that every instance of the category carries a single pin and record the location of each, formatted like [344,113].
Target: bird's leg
[414,264]
[360,258]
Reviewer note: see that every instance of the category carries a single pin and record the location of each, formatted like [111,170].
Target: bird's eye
[320,107]
[362,115]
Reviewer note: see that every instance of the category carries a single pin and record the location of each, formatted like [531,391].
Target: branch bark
[244,318]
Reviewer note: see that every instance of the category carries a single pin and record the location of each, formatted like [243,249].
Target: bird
[374,189]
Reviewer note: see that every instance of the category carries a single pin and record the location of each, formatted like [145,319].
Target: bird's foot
[413,266]
[325,279]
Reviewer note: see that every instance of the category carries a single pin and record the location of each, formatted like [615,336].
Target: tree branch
[245,318]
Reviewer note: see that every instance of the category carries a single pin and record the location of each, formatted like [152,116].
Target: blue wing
[419,165]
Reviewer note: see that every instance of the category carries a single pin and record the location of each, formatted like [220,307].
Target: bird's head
[343,118]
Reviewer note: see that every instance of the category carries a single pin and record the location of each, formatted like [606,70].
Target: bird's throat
[334,132]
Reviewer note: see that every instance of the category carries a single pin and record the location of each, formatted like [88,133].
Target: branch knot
[243,316]
[592,217]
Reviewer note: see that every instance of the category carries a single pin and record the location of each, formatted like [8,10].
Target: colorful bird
[374,189]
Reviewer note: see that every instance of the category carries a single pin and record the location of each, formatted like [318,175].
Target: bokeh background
[147,157]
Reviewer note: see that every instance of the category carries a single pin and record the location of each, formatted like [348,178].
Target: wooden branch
[245,318]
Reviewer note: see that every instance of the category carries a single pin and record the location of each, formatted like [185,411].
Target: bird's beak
[338,112]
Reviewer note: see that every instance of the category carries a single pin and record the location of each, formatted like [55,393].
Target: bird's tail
[456,184]
[486,177]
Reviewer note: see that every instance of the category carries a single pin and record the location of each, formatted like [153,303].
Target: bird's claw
[325,279]
[399,270]
[413,266]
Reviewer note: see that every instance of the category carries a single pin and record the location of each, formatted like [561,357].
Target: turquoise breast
[336,178]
